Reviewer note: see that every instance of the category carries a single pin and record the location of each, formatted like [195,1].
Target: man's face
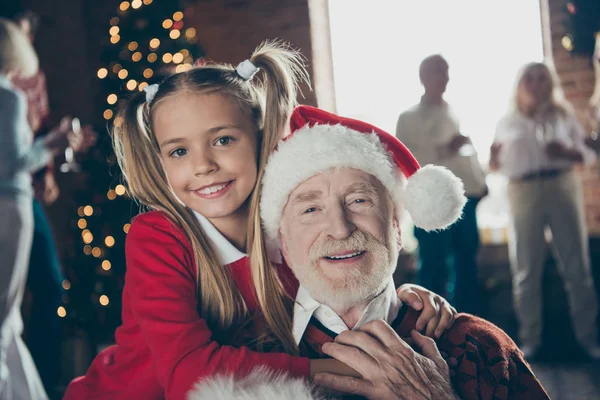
[340,237]
[435,76]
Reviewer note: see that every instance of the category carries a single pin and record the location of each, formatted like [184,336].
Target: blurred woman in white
[537,143]
[18,158]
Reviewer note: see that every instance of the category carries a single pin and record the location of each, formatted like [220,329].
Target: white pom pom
[434,197]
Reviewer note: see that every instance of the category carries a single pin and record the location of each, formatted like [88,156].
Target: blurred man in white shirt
[432,133]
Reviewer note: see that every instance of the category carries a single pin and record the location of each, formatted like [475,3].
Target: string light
[183,67]
[111,99]
[102,72]
[106,265]
[137,56]
[109,241]
[174,34]
[124,6]
[66,284]
[177,58]
[142,86]
[132,46]
[61,312]
[80,211]
[190,33]
[120,189]
[126,228]
[108,114]
[114,30]
[111,194]
[97,252]
[178,16]
[167,23]
[87,237]
[185,52]
[167,58]
[115,39]
[88,210]
[136,4]
[82,223]
[567,42]
[114,20]
[116,68]
[87,249]
[152,57]
[147,2]
[104,300]
[154,43]
[123,73]
[148,73]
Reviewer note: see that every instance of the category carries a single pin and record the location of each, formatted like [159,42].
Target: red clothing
[163,346]
[490,365]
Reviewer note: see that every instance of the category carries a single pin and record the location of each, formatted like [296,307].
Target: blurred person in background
[432,133]
[19,157]
[44,281]
[536,146]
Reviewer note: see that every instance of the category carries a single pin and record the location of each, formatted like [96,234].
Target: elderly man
[332,194]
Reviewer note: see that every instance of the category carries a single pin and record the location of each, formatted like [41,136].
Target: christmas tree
[582,23]
[147,40]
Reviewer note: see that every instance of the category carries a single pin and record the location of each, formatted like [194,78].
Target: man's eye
[224,141]
[178,153]
[310,210]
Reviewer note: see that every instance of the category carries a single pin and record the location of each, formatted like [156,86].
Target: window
[377,47]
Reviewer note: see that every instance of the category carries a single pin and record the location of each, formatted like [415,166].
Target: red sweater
[163,346]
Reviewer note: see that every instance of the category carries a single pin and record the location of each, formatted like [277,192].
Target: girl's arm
[162,288]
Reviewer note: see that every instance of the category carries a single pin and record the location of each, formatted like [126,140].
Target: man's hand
[390,368]
[88,139]
[495,150]
[556,149]
[437,316]
[456,143]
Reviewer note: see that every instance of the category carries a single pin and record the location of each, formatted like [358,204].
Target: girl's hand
[437,315]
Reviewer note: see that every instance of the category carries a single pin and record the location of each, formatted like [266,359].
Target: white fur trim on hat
[316,149]
[434,197]
[260,384]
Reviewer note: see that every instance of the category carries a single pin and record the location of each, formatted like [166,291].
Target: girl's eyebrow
[209,131]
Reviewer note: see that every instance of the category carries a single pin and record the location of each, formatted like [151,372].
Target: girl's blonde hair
[16,51]
[268,102]
[556,102]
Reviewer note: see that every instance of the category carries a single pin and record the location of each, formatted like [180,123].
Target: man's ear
[284,247]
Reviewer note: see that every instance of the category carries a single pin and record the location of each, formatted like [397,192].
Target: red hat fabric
[319,141]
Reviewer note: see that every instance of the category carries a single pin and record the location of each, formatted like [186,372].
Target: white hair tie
[246,70]
[151,92]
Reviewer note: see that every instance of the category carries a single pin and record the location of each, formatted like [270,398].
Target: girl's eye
[224,141]
[178,153]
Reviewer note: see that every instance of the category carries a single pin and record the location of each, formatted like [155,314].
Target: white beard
[359,285]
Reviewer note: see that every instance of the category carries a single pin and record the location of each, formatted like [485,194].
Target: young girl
[19,157]
[193,150]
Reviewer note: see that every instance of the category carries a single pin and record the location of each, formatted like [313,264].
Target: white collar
[226,251]
[384,306]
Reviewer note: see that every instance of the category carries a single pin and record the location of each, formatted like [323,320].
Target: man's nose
[339,225]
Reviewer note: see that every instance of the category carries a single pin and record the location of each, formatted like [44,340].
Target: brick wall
[577,77]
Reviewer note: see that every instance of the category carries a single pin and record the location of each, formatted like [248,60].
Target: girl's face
[535,87]
[209,151]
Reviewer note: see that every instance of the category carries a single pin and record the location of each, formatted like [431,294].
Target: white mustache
[358,241]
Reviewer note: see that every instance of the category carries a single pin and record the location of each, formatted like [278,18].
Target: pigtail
[283,69]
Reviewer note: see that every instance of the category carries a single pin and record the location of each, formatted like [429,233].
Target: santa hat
[434,196]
